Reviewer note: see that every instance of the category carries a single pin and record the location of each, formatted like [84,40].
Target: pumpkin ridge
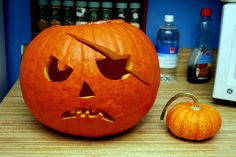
[129,35]
[213,128]
[50,38]
[181,132]
[197,127]
[174,109]
[173,114]
[101,49]
[43,46]
[207,121]
[117,48]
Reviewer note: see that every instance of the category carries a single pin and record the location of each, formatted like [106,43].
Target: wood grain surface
[22,135]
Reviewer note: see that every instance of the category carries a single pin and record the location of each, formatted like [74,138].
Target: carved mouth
[87,113]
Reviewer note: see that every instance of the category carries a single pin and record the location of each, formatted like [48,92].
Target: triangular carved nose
[86,91]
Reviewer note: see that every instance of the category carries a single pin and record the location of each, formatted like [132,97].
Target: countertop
[22,135]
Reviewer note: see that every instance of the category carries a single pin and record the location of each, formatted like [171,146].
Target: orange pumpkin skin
[193,123]
[108,104]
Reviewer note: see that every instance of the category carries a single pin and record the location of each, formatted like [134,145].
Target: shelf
[35,11]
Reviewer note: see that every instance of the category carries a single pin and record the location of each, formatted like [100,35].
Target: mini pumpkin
[90,80]
[191,120]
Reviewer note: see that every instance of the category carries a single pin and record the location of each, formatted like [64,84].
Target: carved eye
[112,69]
[52,73]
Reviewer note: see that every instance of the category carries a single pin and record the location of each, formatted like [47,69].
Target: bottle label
[168,56]
[106,14]
[203,68]
[68,16]
[43,12]
[55,12]
[134,15]
[55,18]
[206,58]
[93,14]
[203,71]
[80,12]
[121,14]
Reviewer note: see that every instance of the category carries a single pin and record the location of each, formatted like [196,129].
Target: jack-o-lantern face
[91,80]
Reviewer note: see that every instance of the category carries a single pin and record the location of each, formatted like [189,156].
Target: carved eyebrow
[103,50]
[112,55]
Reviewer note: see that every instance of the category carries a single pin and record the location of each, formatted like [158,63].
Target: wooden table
[22,135]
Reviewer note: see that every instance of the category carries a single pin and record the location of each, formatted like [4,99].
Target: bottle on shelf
[107,10]
[167,45]
[199,68]
[55,12]
[43,15]
[93,10]
[121,10]
[134,14]
[81,9]
[68,12]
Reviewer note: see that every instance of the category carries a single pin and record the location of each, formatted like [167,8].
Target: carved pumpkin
[90,80]
[191,120]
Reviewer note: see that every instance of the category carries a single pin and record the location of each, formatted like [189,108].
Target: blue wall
[17,32]
[187,14]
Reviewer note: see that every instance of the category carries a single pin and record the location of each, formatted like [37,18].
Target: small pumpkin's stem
[196,104]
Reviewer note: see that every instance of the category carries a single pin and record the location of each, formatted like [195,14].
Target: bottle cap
[121,5]
[55,2]
[106,4]
[93,4]
[68,3]
[42,2]
[134,5]
[169,18]
[81,3]
[206,12]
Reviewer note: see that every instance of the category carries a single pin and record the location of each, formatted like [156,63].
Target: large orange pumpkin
[90,80]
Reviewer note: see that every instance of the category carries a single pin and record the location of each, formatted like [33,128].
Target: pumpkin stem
[196,104]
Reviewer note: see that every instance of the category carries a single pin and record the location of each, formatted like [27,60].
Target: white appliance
[225,79]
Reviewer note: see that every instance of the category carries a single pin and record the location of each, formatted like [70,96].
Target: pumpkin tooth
[65,118]
[106,117]
[108,120]
[87,112]
[69,115]
[93,116]
[100,114]
[82,115]
[78,111]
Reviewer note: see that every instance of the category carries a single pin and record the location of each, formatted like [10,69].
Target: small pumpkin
[192,120]
[90,80]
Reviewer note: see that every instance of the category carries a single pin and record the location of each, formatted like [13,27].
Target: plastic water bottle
[199,67]
[167,46]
